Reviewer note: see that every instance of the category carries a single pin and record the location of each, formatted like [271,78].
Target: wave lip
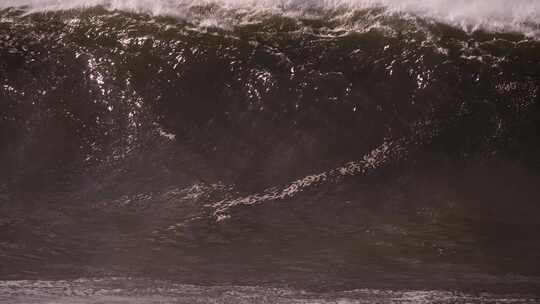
[470,15]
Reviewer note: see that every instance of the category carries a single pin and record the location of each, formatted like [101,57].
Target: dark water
[398,155]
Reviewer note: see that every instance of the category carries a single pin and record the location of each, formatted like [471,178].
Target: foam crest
[494,15]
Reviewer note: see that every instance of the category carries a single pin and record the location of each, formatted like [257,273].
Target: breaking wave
[499,15]
[336,143]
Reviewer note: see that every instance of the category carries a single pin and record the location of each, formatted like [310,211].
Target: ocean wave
[343,147]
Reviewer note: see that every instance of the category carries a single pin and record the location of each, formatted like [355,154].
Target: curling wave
[394,144]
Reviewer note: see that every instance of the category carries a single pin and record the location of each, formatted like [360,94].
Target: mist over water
[361,151]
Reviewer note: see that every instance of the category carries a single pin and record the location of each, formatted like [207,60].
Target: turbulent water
[311,145]
[144,291]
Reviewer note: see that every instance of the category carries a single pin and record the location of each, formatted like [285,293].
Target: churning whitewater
[494,15]
[281,151]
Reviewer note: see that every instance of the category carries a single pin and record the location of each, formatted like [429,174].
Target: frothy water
[492,15]
[127,290]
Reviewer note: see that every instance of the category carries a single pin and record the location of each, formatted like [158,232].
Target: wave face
[333,144]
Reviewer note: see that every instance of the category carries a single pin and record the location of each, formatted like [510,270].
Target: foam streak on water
[125,290]
[493,15]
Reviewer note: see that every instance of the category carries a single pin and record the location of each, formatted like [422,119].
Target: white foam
[495,15]
[149,291]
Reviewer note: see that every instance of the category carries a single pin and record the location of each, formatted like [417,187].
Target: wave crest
[495,15]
